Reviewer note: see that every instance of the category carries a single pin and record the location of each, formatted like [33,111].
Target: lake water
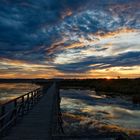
[9,91]
[85,112]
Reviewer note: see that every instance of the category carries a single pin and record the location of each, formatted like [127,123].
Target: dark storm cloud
[21,23]
[37,31]
[126,59]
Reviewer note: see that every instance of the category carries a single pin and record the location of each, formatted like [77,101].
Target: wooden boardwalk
[44,122]
[36,125]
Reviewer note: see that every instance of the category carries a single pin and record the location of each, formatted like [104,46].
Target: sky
[69,38]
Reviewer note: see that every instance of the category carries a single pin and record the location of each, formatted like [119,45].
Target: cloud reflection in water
[83,111]
[12,90]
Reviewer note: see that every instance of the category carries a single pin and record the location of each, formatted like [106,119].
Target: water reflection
[86,112]
[12,90]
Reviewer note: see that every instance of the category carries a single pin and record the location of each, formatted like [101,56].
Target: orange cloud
[114,33]
[55,46]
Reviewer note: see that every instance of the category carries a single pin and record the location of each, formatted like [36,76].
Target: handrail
[18,107]
[19,97]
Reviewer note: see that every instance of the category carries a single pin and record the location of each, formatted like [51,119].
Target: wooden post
[28,103]
[36,96]
[15,111]
[22,102]
[32,99]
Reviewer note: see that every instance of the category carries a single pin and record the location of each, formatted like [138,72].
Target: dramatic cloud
[55,38]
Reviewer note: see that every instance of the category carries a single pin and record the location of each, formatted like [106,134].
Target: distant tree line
[125,86]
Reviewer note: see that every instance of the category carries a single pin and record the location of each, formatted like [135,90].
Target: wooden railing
[57,121]
[13,109]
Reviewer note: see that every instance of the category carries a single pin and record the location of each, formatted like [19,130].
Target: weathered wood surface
[36,125]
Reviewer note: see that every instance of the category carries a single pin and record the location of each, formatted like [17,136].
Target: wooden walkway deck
[43,122]
[36,125]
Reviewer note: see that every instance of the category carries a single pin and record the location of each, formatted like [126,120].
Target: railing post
[36,96]
[22,104]
[15,111]
[28,103]
[32,99]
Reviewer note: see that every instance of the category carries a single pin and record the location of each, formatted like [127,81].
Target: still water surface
[10,91]
[85,111]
